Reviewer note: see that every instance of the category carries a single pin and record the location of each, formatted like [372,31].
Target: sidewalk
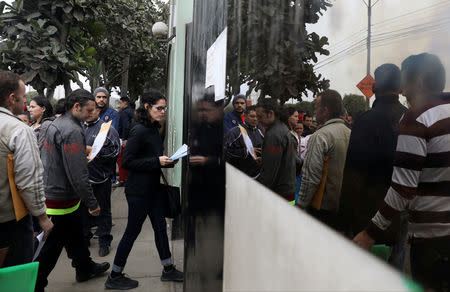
[143,263]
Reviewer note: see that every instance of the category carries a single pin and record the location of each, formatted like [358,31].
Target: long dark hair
[42,101]
[151,97]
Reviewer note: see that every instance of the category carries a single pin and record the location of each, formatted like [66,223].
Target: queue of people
[382,178]
[66,187]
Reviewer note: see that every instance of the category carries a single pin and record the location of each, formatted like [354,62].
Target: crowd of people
[380,179]
[50,160]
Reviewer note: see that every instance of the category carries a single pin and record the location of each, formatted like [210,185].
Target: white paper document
[180,153]
[99,140]
[216,60]
[41,244]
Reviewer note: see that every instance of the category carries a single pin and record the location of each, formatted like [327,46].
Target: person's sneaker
[118,184]
[97,269]
[120,282]
[172,274]
[103,251]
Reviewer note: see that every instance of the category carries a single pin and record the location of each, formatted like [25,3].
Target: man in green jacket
[325,159]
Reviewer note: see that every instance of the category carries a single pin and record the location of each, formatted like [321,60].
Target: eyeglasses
[161,108]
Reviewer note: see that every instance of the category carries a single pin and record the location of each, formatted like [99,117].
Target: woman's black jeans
[139,207]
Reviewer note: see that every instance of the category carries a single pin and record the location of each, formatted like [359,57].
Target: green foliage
[30,95]
[355,105]
[271,50]
[306,106]
[128,35]
[50,42]
[46,41]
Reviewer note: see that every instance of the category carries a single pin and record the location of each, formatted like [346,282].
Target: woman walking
[143,158]
[41,111]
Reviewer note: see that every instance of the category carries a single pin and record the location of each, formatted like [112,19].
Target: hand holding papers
[180,153]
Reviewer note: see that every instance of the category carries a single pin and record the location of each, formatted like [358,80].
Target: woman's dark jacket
[141,159]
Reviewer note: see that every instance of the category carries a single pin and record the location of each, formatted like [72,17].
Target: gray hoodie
[63,155]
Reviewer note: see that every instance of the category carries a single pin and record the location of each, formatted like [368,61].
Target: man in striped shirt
[421,176]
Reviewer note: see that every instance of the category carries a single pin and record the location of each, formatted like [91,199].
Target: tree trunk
[125,69]
[67,88]
[50,92]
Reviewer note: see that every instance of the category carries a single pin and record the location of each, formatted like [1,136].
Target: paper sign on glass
[99,140]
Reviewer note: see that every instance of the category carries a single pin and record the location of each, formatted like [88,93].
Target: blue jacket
[109,114]
[125,118]
[102,166]
[231,120]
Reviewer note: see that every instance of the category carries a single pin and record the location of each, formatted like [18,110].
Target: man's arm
[73,154]
[28,170]
[312,169]
[271,160]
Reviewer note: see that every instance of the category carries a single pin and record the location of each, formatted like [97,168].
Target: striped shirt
[421,176]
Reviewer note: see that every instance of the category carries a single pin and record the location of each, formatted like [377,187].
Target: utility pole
[369,34]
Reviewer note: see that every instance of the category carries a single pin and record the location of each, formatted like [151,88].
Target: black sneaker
[172,274]
[120,282]
[97,269]
[103,251]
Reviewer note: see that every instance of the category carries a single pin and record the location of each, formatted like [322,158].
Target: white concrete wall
[273,246]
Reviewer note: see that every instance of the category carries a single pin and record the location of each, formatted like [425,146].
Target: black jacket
[369,164]
[103,165]
[125,119]
[236,152]
[141,159]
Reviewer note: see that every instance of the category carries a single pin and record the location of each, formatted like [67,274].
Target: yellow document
[19,207]
[318,196]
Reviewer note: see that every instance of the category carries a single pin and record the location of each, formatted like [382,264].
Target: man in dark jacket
[100,172]
[278,166]
[66,180]
[125,118]
[236,150]
[234,118]
[370,156]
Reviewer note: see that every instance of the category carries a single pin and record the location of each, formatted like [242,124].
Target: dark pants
[18,238]
[327,217]
[139,207]
[67,232]
[430,263]
[102,193]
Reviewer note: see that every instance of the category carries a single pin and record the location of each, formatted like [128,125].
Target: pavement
[143,262]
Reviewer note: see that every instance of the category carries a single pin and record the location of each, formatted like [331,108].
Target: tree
[355,105]
[271,50]
[47,41]
[128,55]
[305,106]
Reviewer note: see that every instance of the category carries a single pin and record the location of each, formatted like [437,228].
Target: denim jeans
[139,207]
[18,237]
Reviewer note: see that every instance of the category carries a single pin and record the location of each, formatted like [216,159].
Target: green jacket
[331,141]
[18,139]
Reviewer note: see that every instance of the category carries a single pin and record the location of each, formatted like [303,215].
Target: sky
[399,29]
